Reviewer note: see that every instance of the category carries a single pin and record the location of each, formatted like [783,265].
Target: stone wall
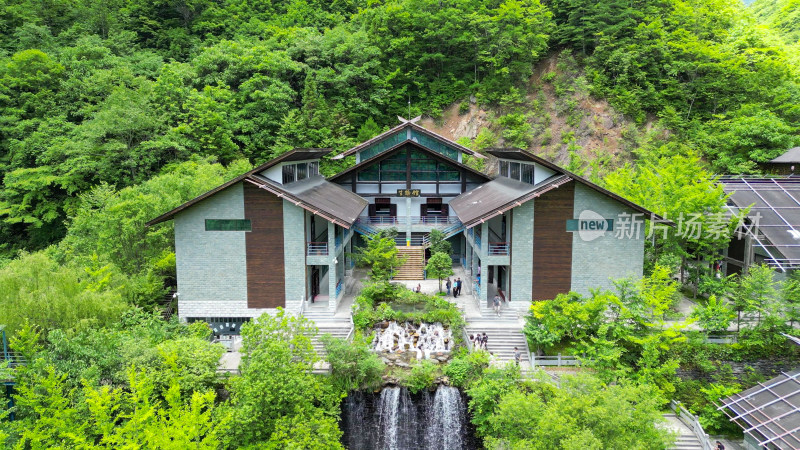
[521,255]
[740,370]
[597,261]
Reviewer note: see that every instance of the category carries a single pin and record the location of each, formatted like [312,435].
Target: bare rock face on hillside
[564,123]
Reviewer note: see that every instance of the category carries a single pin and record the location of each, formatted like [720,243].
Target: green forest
[114,112]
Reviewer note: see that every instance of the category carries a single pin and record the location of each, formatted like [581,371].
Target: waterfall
[407,337]
[446,420]
[396,419]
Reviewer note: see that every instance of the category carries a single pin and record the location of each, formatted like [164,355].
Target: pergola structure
[769,413]
[773,234]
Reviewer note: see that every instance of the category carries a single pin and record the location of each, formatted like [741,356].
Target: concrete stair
[501,340]
[506,313]
[686,440]
[414,265]
[336,328]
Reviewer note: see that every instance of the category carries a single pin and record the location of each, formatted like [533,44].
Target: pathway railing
[692,422]
[555,361]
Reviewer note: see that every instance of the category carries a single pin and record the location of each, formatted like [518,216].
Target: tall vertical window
[302,171]
[514,171]
[504,168]
[288,173]
[313,168]
[527,173]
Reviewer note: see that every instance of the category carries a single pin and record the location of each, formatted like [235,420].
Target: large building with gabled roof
[280,235]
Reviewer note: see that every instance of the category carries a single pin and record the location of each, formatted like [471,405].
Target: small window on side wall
[228,225]
[503,168]
[288,173]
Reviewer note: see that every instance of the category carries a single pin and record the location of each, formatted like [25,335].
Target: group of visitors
[479,341]
[456,285]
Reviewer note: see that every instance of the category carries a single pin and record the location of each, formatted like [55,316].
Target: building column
[332,276]
[484,267]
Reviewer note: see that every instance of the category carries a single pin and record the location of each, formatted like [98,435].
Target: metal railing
[409,220]
[316,248]
[554,361]
[414,241]
[692,422]
[467,342]
[498,248]
[378,220]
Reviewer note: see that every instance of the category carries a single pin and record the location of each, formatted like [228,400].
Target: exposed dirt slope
[562,122]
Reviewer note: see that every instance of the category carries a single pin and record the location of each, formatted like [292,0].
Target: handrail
[692,422]
[556,361]
[349,337]
[316,248]
[466,339]
[499,248]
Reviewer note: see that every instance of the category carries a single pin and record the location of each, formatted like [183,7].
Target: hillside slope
[557,119]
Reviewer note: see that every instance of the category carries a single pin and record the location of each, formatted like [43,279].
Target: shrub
[465,367]
[422,376]
[353,365]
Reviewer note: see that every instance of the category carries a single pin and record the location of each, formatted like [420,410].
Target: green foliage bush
[38,290]
[353,364]
[422,375]
[466,367]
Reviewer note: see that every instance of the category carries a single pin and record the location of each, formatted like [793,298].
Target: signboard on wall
[408,192]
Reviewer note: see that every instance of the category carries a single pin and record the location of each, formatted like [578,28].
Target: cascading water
[407,337]
[395,419]
[446,428]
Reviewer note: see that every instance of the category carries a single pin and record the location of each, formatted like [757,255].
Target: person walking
[484,341]
[447,285]
[517,355]
[497,305]
[459,285]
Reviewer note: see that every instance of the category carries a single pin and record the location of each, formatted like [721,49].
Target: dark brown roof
[390,151]
[769,411]
[499,195]
[319,196]
[414,126]
[521,155]
[298,154]
[791,156]
[776,204]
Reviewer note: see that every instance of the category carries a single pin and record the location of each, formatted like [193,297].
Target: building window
[288,174]
[527,173]
[503,168]
[514,171]
[302,171]
[228,225]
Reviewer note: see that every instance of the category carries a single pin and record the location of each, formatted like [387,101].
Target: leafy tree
[381,256]
[276,383]
[438,243]
[35,288]
[353,364]
[715,316]
[756,293]
[681,190]
[439,266]
[582,410]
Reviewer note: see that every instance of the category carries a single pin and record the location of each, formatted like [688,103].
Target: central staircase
[414,265]
[501,340]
